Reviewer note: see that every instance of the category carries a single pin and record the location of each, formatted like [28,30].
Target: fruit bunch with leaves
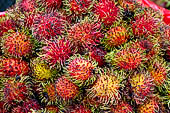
[84,56]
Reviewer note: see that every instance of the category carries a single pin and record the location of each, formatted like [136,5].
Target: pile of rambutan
[84,56]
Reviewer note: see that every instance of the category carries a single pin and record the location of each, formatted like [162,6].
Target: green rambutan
[106,88]
[66,90]
[13,67]
[57,51]
[80,70]
[142,86]
[85,34]
[107,11]
[17,44]
[49,26]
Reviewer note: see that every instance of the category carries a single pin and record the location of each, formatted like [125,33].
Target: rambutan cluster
[84,56]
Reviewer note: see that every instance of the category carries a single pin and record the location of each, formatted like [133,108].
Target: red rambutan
[65,89]
[16,44]
[7,25]
[16,90]
[145,25]
[48,26]
[107,10]
[13,67]
[80,69]
[27,6]
[57,51]
[85,34]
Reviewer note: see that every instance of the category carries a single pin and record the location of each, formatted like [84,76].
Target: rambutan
[106,88]
[27,106]
[128,57]
[116,36]
[80,109]
[123,107]
[48,93]
[151,106]
[80,70]
[57,51]
[98,54]
[158,71]
[78,7]
[16,44]
[13,67]
[85,34]
[16,90]
[49,26]
[145,25]
[65,89]
[107,11]
[27,6]
[52,109]
[142,86]
[41,70]
[7,25]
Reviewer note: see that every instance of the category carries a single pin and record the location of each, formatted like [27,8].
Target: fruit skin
[12,67]
[48,26]
[57,51]
[128,57]
[116,36]
[27,6]
[98,54]
[145,25]
[80,109]
[158,70]
[106,88]
[85,34]
[107,11]
[123,107]
[80,70]
[29,105]
[16,90]
[151,106]
[142,86]
[77,8]
[7,25]
[16,44]
[65,89]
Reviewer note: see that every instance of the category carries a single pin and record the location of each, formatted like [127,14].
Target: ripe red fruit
[85,34]
[48,26]
[12,67]
[81,109]
[16,44]
[107,10]
[57,51]
[7,25]
[123,107]
[27,5]
[65,89]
